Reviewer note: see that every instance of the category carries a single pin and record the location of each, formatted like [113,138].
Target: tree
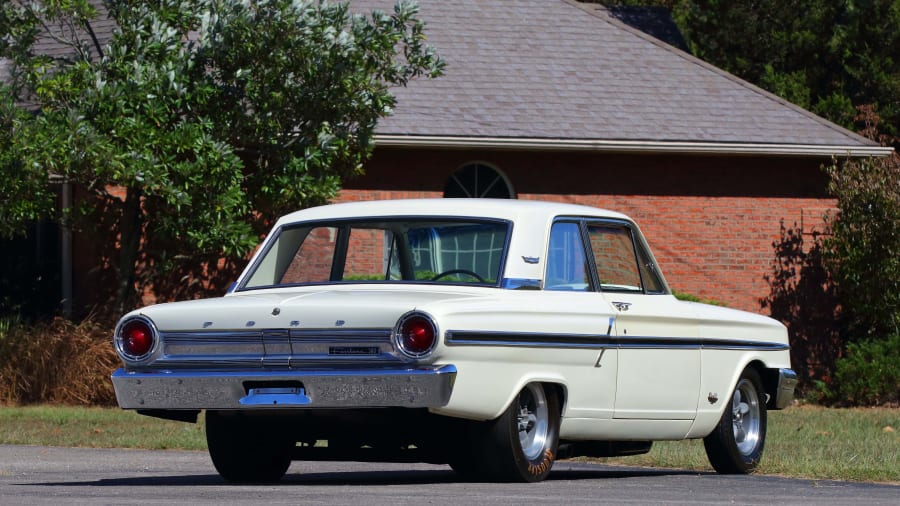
[828,56]
[201,120]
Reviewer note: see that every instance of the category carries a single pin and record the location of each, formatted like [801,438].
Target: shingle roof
[569,72]
[565,75]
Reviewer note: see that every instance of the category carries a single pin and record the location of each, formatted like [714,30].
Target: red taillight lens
[416,335]
[136,338]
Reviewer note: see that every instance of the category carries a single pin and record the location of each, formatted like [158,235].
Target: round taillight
[135,338]
[416,335]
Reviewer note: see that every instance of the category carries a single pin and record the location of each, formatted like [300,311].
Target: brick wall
[710,220]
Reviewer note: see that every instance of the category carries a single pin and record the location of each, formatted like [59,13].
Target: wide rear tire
[521,444]
[245,449]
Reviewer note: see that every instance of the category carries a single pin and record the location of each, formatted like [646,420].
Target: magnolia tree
[198,122]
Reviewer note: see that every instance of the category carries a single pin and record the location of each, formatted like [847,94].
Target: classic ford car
[495,336]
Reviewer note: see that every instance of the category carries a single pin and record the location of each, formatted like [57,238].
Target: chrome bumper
[411,388]
[784,395]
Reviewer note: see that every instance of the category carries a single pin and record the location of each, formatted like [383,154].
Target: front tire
[246,449]
[521,445]
[736,445]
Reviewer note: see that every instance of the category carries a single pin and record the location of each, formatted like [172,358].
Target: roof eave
[629,146]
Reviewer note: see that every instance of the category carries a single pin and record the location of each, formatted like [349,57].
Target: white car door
[568,280]
[658,375]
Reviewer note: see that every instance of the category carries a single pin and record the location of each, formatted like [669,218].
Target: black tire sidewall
[721,447]
[537,469]
[244,450]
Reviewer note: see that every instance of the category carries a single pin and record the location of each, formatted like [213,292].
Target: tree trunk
[130,230]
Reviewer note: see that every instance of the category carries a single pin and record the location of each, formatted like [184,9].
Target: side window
[614,255]
[566,266]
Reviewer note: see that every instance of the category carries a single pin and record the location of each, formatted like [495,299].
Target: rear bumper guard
[423,387]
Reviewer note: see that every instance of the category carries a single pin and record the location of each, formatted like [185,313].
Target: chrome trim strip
[738,344]
[256,336]
[275,348]
[599,341]
[341,334]
[527,339]
[410,387]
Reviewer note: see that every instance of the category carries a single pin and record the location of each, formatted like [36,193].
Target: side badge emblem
[276,311]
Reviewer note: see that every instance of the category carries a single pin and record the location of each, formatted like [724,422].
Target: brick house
[561,100]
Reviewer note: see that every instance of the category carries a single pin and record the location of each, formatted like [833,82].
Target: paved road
[42,475]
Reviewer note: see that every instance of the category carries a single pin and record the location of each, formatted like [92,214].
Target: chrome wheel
[520,445]
[737,442]
[532,421]
[745,417]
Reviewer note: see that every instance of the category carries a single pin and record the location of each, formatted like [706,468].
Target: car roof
[505,209]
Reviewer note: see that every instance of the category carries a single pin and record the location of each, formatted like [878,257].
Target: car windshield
[396,250]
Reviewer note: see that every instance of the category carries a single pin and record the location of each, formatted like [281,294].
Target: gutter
[626,146]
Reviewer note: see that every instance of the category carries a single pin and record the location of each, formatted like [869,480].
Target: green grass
[860,444]
[95,428]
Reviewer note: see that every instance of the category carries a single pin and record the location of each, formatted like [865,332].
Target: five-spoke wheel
[520,445]
[736,444]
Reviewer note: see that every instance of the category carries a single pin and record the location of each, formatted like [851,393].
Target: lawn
[860,444]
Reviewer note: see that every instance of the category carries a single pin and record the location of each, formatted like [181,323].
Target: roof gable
[564,74]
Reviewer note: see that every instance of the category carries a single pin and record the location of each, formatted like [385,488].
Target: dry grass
[58,362]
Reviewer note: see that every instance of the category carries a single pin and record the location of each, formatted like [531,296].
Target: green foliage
[863,252]
[839,295]
[826,56]
[868,374]
[689,297]
[212,116]
[20,178]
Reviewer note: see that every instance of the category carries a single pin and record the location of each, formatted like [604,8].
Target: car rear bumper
[421,387]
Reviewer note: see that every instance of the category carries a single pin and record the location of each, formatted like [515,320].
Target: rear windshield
[397,250]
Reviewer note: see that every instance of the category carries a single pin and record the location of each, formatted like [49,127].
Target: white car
[496,336]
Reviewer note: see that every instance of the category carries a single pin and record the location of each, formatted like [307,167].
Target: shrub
[689,297]
[58,362]
[863,252]
[869,374]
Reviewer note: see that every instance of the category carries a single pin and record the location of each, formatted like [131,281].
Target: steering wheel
[459,271]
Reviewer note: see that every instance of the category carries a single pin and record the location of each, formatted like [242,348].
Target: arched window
[478,180]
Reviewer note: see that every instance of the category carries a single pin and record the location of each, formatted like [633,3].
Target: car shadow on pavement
[366,478]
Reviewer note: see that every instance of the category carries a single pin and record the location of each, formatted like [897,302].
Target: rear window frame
[271,241]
